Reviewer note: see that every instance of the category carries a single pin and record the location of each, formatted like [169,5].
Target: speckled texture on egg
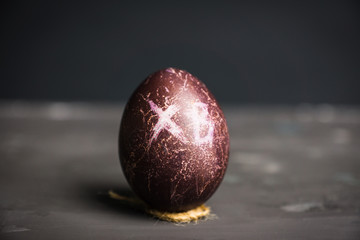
[173,141]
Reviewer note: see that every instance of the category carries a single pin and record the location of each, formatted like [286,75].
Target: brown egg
[173,141]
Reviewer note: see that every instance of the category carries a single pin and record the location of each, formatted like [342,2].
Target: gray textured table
[294,173]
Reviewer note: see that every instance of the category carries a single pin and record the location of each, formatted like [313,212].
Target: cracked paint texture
[173,141]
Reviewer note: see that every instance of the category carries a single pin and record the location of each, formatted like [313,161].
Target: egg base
[192,215]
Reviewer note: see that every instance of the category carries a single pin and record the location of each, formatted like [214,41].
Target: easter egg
[173,141]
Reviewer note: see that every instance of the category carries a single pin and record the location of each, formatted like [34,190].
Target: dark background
[245,52]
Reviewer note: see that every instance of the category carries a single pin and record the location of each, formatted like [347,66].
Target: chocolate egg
[173,141]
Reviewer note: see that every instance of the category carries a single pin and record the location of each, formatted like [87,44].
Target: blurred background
[245,52]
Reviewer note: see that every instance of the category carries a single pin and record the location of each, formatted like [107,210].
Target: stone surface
[293,173]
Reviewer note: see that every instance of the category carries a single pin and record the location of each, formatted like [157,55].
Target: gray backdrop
[245,52]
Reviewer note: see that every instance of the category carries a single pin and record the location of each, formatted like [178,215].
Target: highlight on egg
[173,141]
